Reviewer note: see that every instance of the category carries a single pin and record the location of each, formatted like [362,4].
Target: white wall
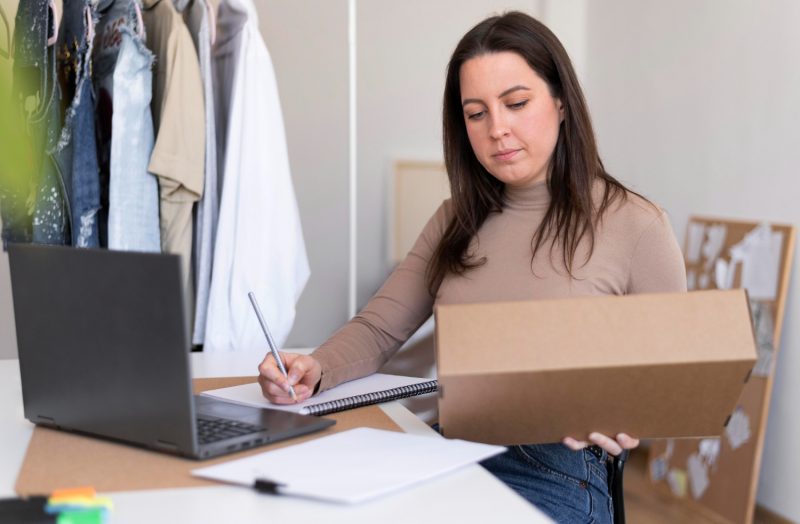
[307,40]
[403,49]
[695,104]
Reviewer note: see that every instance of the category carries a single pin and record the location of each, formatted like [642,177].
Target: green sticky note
[94,516]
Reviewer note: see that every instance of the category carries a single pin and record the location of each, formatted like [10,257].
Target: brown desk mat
[58,459]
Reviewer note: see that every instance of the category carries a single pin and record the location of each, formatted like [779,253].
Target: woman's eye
[476,116]
[517,105]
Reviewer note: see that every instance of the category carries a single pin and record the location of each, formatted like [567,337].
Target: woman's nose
[499,127]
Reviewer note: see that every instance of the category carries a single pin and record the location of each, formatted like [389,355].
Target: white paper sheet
[713,245]
[765,331]
[738,429]
[353,466]
[250,394]
[694,241]
[670,448]
[724,273]
[709,450]
[698,475]
[760,256]
[691,280]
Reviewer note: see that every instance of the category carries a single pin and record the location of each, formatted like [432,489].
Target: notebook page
[250,394]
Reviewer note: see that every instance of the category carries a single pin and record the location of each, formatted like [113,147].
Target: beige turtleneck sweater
[635,251]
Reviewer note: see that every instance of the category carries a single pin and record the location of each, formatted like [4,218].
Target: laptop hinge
[46,421]
[166,446]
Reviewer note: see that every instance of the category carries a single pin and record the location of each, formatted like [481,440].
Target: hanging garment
[75,153]
[198,18]
[18,177]
[36,90]
[123,83]
[259,244]
[178,157]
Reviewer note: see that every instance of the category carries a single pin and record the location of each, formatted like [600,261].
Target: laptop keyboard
[215,429]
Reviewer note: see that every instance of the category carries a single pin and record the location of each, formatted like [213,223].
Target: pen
[271,342]
[267,486]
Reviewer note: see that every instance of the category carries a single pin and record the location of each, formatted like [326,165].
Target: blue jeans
[569,486]
[76,151]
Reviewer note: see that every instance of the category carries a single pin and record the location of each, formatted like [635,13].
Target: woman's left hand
[612,446]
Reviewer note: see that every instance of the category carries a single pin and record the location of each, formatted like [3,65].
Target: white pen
[271,342]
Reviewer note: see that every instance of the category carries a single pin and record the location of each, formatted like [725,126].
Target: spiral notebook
[373,389]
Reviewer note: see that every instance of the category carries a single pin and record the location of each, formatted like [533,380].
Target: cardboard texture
[733,476]
[57,459]
[658,365]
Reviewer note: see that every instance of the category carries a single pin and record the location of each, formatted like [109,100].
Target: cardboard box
[658,365]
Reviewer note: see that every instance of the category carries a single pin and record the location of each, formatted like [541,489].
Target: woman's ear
[560,110]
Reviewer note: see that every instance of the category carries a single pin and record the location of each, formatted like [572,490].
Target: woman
[533,215]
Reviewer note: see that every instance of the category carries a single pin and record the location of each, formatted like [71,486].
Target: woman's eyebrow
[501,95]
[513,89]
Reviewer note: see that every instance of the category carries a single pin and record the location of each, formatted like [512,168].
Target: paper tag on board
[708,450]
[658,469]
[676,478]
[738,429]
[698,475]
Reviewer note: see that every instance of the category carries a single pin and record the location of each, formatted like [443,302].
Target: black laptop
[103,340]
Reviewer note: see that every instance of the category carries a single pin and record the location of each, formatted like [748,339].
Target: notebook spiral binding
[325,408]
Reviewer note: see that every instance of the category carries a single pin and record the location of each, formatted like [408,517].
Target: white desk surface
[469,495]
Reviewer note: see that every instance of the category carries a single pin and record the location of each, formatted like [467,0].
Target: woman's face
[512,119]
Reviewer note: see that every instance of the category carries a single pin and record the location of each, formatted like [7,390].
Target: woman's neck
[535,196]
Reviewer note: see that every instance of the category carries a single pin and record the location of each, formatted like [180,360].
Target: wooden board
[58,459]
[419,189]
[727,484]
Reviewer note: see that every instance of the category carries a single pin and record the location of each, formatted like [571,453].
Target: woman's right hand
[304,374]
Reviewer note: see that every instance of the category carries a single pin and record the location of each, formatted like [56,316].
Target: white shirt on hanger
[259,243]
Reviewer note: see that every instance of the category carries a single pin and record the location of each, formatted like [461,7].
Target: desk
[469,495]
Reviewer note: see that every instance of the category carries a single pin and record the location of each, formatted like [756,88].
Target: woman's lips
[506,154]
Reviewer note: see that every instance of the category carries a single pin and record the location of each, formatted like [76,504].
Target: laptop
[103,342]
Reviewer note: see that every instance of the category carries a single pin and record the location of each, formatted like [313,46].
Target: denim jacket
[123,80]
[75,154]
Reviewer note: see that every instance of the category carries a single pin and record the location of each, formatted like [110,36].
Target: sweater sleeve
[396,311]
[657,263]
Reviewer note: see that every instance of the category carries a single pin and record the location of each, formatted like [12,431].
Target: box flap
[612,331]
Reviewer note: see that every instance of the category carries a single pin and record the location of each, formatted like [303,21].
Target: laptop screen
[103,342]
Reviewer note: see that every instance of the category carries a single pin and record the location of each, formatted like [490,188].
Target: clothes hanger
[89,22]
[212,21]
[181,5]
[54,12]
[139,21]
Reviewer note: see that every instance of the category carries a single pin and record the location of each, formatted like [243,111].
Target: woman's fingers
[612,446]
[607,443]
[626,441]
[303,374]
[574,445]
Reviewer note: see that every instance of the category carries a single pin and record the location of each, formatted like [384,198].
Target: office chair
[615,470]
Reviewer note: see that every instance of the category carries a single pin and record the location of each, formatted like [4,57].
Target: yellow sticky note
[677,480]
[82,491]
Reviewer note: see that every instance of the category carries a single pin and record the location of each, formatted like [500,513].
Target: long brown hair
[574,167]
